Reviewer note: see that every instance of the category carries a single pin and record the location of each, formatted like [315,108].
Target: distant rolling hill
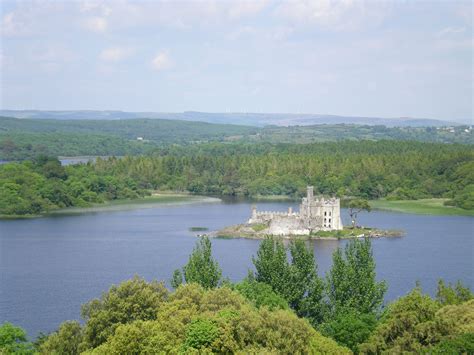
[22,138]
[249,119]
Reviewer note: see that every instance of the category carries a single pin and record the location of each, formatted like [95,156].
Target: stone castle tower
[316,213]
[320,212]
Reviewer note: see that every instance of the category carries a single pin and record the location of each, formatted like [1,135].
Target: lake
[50,266]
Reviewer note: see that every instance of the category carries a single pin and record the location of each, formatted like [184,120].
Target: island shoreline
[242,231]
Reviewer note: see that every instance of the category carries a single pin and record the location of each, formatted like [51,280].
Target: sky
[345,57]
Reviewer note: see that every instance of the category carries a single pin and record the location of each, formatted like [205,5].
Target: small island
[319,217]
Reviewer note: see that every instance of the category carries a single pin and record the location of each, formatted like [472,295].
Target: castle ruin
[316,213]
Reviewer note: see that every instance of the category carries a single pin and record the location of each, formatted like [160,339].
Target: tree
[67,340]
[459,344]
[271,265]
[355,207]
[132,300]
[416,323]
[218,320]
[350,329]
[449,294]
[297,282]
[177,279]
[260,294]
[200,333]
[201,268]
[351,283]
[305,287]
[13,340]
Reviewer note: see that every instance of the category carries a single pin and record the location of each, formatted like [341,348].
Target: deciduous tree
[355,207]
[351,283]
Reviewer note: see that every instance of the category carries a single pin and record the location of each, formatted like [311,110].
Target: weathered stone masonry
[316,213]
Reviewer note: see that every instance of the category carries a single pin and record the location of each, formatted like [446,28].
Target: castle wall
[288,225]
[315,214]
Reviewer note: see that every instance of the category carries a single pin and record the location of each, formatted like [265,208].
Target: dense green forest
[26,138]
[282,307]
[20,146]
[370,170]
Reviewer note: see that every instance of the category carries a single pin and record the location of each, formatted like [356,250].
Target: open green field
[432,206]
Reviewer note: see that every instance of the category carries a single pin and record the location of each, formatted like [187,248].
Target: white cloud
[100,16]
[10,25]
[95,24]
[34,18]
[333,14]
[95,6]
[115,54]
[246,8]
[161,61]
[451,31]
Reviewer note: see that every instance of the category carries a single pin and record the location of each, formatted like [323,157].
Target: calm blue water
[50,266]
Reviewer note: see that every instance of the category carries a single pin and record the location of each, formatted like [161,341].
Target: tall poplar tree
[296,281]
[351,283]
[201,268]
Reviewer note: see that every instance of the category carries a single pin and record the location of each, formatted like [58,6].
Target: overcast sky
[359,58]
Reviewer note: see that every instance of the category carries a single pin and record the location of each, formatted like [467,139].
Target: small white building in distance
[316,213]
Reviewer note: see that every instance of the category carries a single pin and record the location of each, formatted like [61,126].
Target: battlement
[323,201]
[275,213]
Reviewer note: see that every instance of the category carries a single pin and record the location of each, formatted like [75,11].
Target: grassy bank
[145,202]
[432,206]
[126,204]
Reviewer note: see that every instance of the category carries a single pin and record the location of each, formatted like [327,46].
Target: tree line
[283,306]
[365,170]
[370,170]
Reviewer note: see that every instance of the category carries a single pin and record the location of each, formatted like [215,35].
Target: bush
[416,323]
[132,300]
[217,320]
[350,329]
[200,333]
[261,295]
[13,340]
[66,341]
[460,344]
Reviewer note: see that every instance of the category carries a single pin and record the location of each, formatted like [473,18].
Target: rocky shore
[257,231]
